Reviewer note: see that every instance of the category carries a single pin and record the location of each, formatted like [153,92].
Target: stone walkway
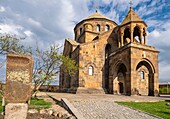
[103,106]
[96,109]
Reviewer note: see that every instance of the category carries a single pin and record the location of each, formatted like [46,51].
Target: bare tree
[11,44]
[48,64]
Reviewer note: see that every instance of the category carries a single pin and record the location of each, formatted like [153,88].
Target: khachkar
[18,85]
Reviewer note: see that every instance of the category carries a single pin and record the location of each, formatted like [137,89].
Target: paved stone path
[96,109]
[103,106]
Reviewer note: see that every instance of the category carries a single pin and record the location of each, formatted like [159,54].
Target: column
[145,38]
[156,85]
[141,34]
[128,84]
[122,43]
[119,44]
[111,84]
[131,35]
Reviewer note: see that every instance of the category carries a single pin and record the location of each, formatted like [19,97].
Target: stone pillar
[128,84]
[145,38]
[156,85]
[122,43]
[141,36]
[131,36]
[18,85]
[131,33]
[111,84]
[119,43]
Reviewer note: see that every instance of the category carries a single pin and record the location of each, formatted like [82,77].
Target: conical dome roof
[96,15]
[132,16]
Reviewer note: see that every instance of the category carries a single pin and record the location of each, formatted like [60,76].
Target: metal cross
[131,3]
[97,8]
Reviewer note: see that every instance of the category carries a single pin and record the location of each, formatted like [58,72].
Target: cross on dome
[131,3]
[97,8]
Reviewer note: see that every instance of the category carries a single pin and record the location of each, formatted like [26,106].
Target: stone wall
[136,58]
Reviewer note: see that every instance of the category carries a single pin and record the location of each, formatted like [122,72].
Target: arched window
[126,36]
[107,50]
[136,34]
[142,75]
[98,28]
[91,70]
[81,30]
[107,27]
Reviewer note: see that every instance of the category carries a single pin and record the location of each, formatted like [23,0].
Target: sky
[51,21]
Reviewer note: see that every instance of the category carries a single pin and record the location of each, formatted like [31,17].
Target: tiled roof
[73,42]
[96,15]
[131,17]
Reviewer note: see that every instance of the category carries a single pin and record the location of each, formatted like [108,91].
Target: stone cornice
[134,45]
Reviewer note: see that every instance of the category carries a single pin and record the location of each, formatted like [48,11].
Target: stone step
[90,91]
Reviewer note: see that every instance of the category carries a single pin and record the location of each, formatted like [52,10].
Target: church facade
[112,58]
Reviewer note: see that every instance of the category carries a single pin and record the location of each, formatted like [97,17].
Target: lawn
[1,105]
[39,104]
[36,103]
[156,108]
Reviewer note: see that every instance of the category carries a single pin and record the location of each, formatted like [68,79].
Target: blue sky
[52,21]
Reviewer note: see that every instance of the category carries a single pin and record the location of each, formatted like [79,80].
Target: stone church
[112,58]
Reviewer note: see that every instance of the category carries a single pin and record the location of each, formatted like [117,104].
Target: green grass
[156,108]
[1,105]
[35,103]
[39,104]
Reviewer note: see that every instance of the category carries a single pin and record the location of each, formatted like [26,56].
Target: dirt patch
[1,116]
[37,116]
[41,116]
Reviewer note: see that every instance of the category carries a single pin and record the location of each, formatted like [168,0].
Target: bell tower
[132,29]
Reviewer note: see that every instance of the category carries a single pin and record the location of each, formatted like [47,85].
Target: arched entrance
[145,78]
[120,79]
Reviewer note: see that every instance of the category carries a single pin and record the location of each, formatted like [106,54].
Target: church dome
[96,15]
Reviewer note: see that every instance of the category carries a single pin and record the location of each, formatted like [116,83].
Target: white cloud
[2,9]
[10,29]
[163,71]
[106,1]
[34,22]
[155,34]
[28,33]
[160,37]
[113,15]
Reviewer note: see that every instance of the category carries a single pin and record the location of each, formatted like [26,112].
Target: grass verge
[156,108]
[39,104]
[1,108]
[35,103]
